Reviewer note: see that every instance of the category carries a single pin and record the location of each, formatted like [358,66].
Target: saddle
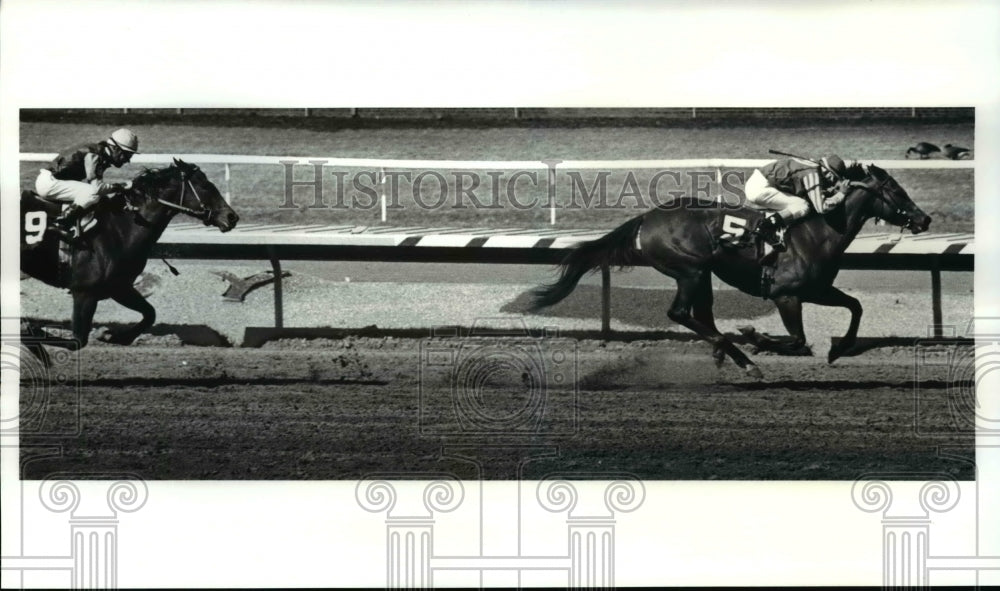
[36,217]
[742,230]
[39,216]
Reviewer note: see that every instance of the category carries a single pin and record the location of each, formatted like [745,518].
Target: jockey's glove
[833,201]
[112,188]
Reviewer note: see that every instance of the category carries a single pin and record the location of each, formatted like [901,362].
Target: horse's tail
[616,248]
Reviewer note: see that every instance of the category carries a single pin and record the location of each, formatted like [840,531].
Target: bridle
[201,212]
[887,197]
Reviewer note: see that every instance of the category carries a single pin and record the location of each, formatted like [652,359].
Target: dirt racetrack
[343,409]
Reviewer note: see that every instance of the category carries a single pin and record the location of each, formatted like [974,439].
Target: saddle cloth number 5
[35,223]
[734,225]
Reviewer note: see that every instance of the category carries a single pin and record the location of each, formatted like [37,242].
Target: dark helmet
[834,163]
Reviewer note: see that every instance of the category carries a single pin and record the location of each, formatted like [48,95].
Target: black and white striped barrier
[274,242]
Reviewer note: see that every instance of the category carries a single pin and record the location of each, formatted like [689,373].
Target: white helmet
[126,140]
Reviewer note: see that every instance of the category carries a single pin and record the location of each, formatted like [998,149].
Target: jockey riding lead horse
[684,240]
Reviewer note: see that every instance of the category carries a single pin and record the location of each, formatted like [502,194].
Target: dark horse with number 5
[129,224]
[682,240]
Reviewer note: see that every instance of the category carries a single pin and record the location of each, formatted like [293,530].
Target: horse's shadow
[646,307]
[43,332]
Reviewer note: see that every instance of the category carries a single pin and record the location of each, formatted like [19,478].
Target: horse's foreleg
[790,308]
[702,312]
[133,300]
[84,306]
[835,297]
[688,291]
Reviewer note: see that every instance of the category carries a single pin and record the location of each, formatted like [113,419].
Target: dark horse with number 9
[682,240]
[128,226]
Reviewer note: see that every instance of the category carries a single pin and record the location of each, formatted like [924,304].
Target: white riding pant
[761,195]
[76,192]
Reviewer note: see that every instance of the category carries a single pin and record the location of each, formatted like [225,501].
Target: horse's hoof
[112,338]
[754,372]
[841,349]
[719,356]
[747,330]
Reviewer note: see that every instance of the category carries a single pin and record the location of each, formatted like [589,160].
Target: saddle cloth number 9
[35,223]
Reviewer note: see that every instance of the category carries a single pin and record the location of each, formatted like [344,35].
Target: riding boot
[66,225]
[771,229]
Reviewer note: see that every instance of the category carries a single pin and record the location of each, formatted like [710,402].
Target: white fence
[551,166]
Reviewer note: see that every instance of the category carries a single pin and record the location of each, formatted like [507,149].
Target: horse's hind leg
[689,289]
[133,300]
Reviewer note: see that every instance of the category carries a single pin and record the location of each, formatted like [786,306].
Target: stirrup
[766,279]
[769,258]
[776,239]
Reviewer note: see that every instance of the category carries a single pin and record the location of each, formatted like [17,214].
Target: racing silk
[85,163]
[799,178]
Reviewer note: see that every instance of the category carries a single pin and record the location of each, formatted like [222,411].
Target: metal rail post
[279,321]
[936,297]
[605,300]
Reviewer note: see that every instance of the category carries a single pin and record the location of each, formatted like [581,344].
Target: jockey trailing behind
[788,187]
[76,175]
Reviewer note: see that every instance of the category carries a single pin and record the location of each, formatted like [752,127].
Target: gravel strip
[195,297]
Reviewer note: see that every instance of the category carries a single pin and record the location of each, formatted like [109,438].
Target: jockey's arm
[97,181]
[90,167]
[104,189]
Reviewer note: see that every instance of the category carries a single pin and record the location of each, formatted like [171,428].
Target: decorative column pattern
[906,537]
[409,535]
[591,535]
[588,560]
[93,540]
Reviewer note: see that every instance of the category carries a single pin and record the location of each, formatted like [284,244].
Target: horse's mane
[152,178]
[856,171]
